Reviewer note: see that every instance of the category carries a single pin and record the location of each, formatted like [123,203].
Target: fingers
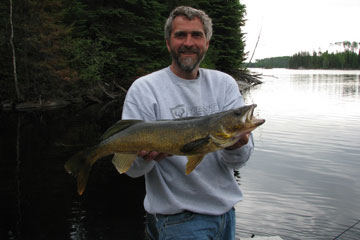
[242,141]
[245,139]
[152,155]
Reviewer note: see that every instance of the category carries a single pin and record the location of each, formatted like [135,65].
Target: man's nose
[189,40]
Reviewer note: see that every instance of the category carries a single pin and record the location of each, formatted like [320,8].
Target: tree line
[273,62]
[348,58]
[343,60]
[70,48]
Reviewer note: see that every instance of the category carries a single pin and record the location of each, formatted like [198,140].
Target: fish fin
[195,145]
[118,126]
[79,166]
[123,162]
[193,161]
[82,179]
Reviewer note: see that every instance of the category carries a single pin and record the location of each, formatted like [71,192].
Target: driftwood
[120,87]
[44,104]
[246,79]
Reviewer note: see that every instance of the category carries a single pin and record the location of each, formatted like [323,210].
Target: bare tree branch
[13,53]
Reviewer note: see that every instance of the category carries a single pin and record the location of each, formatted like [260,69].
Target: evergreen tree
[6,77]
[38,39]
[64,44]
[343,60]
[227,46]
[124,40]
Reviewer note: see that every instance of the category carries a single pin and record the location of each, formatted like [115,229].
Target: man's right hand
[152,155]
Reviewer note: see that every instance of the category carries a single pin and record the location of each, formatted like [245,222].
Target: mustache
[188,50]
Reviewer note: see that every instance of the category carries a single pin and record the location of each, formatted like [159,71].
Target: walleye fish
[193,137]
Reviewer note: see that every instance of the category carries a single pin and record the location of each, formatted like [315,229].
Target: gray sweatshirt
[211,188]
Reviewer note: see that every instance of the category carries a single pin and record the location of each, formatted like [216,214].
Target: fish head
[231,125]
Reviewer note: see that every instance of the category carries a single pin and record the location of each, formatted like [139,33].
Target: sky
[287,27]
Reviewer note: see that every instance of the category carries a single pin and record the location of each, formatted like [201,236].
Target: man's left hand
[242,141]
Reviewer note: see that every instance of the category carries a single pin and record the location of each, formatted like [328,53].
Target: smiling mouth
[188,53]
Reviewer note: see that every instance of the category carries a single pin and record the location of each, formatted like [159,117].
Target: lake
[302,182]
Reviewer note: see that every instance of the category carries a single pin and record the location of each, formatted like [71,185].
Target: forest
[348,58]
[69,49]
[343,60]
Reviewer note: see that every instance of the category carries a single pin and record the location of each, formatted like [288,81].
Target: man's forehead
[182,23]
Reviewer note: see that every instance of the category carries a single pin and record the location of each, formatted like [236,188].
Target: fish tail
[82,179]
[79,166]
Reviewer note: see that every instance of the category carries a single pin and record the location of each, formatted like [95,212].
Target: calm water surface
[303,181]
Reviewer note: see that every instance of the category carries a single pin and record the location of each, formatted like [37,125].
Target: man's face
[187,44]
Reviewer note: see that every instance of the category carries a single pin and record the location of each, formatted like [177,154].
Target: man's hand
[153,155]
[242,141]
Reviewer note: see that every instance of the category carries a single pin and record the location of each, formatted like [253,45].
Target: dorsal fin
[118,127]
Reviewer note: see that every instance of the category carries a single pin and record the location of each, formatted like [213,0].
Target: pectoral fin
[192,163]
[123,162]
[195,145]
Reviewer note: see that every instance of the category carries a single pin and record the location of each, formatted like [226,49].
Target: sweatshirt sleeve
[238,157]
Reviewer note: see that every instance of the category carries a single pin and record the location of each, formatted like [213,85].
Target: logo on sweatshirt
[180,111]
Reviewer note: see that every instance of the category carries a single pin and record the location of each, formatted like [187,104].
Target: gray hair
[189,13]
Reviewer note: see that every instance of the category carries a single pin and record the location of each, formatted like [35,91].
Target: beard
[187,64]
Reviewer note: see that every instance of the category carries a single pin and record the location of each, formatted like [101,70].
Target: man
[198,205]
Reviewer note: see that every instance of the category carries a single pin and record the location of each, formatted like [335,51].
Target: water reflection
[303,179]
[77,226]
[17,177]
[39,199]
[332,85]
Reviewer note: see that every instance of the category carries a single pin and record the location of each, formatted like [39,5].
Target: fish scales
[164,136]
[193,137]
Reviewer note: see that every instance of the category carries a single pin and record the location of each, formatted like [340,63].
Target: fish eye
[238,112]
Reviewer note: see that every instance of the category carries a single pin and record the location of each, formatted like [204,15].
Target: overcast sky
[290,26]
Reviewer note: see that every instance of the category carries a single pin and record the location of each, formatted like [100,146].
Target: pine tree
[122,41]
[228,39]
[6,77]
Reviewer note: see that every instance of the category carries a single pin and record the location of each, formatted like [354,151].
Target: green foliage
[6,69]
[66,48]
[123,41]
[343,60]
[227,46]
[275,62]
[38,38]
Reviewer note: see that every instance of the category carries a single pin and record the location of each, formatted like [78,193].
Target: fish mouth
[249,119]
[248,122]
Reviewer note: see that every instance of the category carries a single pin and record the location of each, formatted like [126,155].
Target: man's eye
[197,34]
[180,34]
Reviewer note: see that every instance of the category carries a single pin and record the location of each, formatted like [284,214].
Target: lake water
[302,182]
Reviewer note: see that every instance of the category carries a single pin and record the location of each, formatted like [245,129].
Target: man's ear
[207,44]
[168,45]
